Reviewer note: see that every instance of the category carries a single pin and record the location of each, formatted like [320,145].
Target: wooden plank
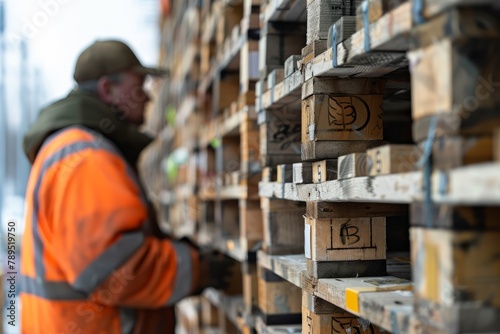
[452,152]
[322,210]
[457,280]
[317,150]
[325,170]
[354,117]
[352,165]
[345,239]
[209,313]
[472,102]
[279,300]
[302,172]
[393,159]
[479,218]
[386,303]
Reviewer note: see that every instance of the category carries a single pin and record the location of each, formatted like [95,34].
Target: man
[92,258]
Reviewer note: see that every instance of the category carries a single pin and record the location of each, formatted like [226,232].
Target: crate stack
[344,152]
[455,116]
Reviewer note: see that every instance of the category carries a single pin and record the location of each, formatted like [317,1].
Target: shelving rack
[345,153]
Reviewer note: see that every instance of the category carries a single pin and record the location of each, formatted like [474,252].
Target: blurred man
[93,258]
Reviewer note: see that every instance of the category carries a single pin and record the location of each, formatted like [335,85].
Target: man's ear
[105,90]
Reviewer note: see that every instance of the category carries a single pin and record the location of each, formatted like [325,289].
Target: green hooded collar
[85,109]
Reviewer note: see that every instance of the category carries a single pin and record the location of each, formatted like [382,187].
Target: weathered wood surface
[469,185]
[321,210]
[387,302]
[457,279]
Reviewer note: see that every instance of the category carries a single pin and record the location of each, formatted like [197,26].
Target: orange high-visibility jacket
[87,264]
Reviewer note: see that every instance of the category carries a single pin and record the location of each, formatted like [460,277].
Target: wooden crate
[279,300]
[322,317]
[345,247]
[279,137]
[283,226]
[354,114]
[462,100]
[456,275]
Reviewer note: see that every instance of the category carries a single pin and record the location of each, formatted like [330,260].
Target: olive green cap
[108,57]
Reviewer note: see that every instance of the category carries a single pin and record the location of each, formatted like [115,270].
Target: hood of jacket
[85,109]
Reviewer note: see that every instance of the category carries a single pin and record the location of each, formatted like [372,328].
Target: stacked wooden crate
[455,115]
[372,127]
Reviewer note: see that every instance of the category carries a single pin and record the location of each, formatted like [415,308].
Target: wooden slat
[322,210]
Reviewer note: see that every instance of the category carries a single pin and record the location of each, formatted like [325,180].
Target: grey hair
[91,85]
